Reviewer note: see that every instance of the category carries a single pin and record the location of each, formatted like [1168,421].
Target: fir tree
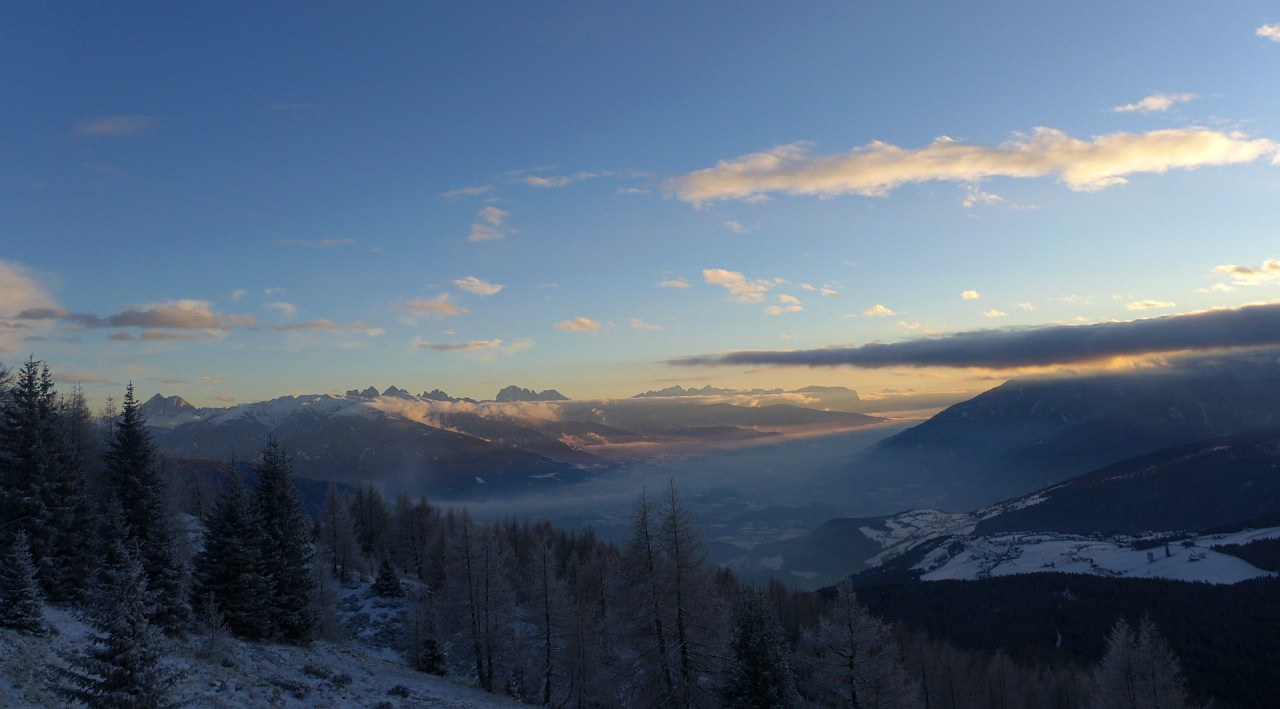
[286,547]
[1138,671]
[760,675]
[21,603]
[121,670]
[387,584]
[230,568]
[133,474]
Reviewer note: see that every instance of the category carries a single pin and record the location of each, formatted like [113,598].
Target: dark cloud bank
[1249,326]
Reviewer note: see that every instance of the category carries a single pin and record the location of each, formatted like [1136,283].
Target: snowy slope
[325,675]
[1025,553]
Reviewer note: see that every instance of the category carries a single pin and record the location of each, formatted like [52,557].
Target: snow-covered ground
[1025,553]
[362,672]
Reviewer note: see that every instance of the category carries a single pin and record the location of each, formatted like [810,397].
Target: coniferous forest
[92,520]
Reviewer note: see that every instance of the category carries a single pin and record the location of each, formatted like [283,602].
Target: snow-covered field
[362,672]
[1025,553]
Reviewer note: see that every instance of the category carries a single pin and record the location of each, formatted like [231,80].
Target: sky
[235,201]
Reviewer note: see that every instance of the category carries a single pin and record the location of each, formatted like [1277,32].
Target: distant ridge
[515,393]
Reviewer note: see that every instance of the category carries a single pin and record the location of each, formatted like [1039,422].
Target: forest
[93,519]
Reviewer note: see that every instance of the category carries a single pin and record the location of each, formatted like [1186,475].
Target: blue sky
[232,201]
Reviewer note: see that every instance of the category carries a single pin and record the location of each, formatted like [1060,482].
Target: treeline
[516,607]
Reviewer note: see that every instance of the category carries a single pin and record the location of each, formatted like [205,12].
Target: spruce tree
[387,584]
[121,669]
[230,568]
[21,603]
[760,675]
[286,547]
[133,474]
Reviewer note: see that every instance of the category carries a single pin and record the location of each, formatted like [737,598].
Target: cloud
[1149,304]
[321,244]
[1217,288]
[20,293]
[828,292]
[438,306]
[973,196]
[1155,103]
[470,346]
[1026,306]
[638,324]
[113,126]
[213,380]
[738,228]
[82,378]
[564,180]
[489,228]
[286,309]
[224,398]
[471,284]
[1271,31]
[878,168]
[474,191]
[1248,326]
[878,311]
[321,324]
[674,283]
[237,294]
[970,295]
[578,325]
[993,313]
[175,315]
[1267,274]
[740,289]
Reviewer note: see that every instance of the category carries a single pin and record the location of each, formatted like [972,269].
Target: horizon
[233,204]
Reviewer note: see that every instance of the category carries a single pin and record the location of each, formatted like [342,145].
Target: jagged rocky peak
[161,404]
[437,395]
[394,390]
[515,393]
[368,393]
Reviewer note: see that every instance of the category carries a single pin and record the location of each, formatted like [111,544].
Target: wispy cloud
[738,228]
[473,191]
[579,324]
[993,313]
[674,283]
[175,315]
[878,311]
[1149,304]
[970,295]
[787,304]
[322,324]
[489,224]
[1248,326]
[878,168]
[114,126]
[286,309]
[486,349]
[1271,31]
[471,284]
[319,244]
[974,196]
[438,306]
[741,289]
[638,324]
[1268,273]
[563,180]
[1155,103]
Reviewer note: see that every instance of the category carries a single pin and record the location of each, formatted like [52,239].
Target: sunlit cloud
[674,283]
[438,306]
[213,380]
[878,168]
[113,126]
[563,180]
[789,304]
[322,324]
[1247,326]
[490,224]
[175,315]
[878,311]
[741,289]
[578,324]
[474,191]
[1267,274]
[970,295]
[1271,31]
[288,310]
[1155,103]
[828,292]
[638,324]
[20,292]
[486,349]
[1026,306]
[471,284]
[1149,304]
[974,196]
[993,313]
[1217,288]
